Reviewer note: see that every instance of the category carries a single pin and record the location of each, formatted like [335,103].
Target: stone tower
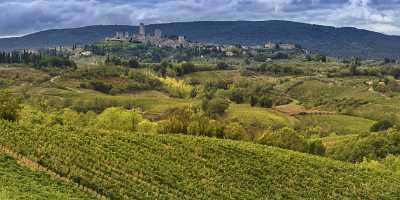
[157,33]
[142,32]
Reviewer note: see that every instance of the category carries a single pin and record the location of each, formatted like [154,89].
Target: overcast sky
[19,17]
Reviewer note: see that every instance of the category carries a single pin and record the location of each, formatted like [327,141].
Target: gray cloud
[26,16]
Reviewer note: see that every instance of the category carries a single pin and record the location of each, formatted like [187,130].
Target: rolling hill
[123,165]
[19,182]
[342,42]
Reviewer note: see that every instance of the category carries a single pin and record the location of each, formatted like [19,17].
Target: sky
[20,17]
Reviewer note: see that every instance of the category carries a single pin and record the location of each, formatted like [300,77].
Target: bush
[237,95]
[381,126]
[315,147]
[201,125]
[188,68]
[9,107]
[147,126]
[374,146]
[100,86]
[265,102]
[115,118]
[253,101]
[234,131]
[215,107]
[222,66]
[285,138]
[133,63]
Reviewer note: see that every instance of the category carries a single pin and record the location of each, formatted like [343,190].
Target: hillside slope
[328,40]
[136,166]
[17,182]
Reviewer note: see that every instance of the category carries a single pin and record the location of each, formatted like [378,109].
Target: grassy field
[17,182]
[262,117]
[350,96]
[339,124]
[332,141]
[136,166]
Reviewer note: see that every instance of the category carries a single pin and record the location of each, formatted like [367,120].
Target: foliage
[284,138]
[119,119]
[381,126]
[215,106]
[177,88]
[9,106]
[315,147]
[374,146]
[277,69]
[146,126]
[265,102]
[100,86]
[234,131]
[133,63]
[222,66]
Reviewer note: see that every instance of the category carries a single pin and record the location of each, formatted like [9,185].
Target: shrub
[9,107]
[285,138]
[201,125]
[222,66]
[116,118]
[265,102]
[237,95]
[147,126]
[253,101]
[133,63]
[215,107]
[315,147]
[100,86]
[234,131]
[381,126]
[188,68]
[177,121]
[374,146]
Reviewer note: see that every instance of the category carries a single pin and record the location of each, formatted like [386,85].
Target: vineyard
[125,165]
[21,183]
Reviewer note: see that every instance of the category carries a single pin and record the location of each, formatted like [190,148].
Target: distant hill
[341,42]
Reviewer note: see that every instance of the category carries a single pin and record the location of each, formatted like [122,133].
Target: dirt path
[25,161]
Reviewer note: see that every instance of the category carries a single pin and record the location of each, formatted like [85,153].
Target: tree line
[50,58]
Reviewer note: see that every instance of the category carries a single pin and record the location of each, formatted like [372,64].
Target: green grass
[332,141]
[328,94]
[262,117]
[340,124]
[136,166]
[17,183]
[148,101]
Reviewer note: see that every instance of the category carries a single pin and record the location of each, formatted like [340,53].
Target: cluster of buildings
[160,40]
[157,38]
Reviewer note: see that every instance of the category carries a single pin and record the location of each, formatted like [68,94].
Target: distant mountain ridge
[339,42]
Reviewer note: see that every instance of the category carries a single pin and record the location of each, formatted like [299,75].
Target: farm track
[35,166]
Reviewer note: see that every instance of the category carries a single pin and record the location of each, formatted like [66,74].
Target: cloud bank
[20,17]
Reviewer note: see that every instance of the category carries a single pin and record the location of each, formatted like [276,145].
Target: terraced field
[136,166]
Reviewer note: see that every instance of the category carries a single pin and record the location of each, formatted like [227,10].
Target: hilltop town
[157,39]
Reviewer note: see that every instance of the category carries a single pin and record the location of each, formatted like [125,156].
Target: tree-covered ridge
[344,42]
[124,165]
